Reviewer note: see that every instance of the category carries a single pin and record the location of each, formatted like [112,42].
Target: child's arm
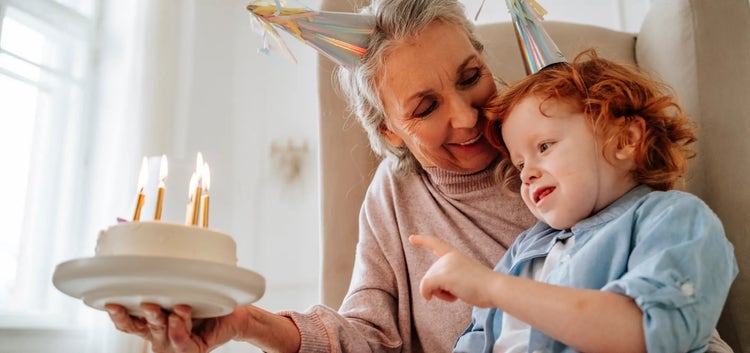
[584,319]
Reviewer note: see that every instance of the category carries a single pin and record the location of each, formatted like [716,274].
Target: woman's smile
[472,141]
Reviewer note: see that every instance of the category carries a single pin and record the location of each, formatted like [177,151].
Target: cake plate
[211,289]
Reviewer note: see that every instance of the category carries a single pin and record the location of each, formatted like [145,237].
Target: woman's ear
[630,139]
[390,136]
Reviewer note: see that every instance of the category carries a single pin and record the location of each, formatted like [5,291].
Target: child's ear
[630,139]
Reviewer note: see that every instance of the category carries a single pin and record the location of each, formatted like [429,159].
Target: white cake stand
[211,289]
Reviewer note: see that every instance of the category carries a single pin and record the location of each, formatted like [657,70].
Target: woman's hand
[176,332]
[454,275]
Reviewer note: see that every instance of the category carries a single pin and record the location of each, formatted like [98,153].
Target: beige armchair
[700,47]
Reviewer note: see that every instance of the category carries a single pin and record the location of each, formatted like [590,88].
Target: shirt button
[565,258]
[687,289]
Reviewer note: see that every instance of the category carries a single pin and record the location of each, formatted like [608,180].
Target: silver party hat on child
[537,48]
[341,37]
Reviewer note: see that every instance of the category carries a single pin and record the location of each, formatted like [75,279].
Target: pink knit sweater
[383,310]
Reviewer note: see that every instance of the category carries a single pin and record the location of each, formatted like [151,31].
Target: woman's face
[433,87]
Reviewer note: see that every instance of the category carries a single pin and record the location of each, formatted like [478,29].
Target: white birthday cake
[164,239]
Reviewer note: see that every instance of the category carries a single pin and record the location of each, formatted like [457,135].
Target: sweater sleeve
[368,318]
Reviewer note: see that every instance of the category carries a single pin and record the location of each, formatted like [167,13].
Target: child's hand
[454,275]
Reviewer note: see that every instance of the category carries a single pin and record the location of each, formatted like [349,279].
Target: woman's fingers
[166,332]
[156,320]
[437,246]
[126,323]
[185,313]
[180,329]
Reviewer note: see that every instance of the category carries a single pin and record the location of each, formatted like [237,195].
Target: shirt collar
[614,210]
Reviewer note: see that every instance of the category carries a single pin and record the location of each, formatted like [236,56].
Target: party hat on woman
[342,37]
[537,48]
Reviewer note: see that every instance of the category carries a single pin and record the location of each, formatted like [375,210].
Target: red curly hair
[611,96]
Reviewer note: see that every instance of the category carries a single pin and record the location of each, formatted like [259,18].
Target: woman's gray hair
[395,21]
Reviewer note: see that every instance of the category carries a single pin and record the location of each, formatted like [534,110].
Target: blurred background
[90,87]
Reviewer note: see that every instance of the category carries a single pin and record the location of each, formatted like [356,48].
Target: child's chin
[559,223]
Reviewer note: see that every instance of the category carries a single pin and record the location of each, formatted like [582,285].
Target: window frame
[65,323]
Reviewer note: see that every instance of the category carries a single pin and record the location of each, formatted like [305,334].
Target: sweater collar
[451,182]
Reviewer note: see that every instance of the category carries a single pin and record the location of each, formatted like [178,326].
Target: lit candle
[198,186]
[204,199]
[191,196]
[142,177]
[163,171]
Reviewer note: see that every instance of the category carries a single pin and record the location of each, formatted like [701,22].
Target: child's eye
[519,166]
[544,146]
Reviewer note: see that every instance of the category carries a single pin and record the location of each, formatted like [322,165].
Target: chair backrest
[700,47]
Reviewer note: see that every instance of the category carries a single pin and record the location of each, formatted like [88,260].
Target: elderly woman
[418,93]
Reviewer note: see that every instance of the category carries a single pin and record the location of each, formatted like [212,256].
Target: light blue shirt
[666,250]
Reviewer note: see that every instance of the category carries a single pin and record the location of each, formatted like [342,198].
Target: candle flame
[199,165]
[206,176]
[193,184]
[163,168]
[143,176]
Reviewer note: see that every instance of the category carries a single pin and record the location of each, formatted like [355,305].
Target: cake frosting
[164,239]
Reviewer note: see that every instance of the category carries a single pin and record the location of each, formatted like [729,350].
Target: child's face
[565,177]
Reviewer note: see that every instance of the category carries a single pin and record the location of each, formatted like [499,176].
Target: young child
[619,261]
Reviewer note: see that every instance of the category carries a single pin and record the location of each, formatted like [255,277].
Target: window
[46,89]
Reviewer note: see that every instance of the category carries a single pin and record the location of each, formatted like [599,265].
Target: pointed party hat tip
[341,37]
[537,48]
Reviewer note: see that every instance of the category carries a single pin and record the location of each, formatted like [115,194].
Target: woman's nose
[462,113]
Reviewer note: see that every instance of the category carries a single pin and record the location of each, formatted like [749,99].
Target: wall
[623,15]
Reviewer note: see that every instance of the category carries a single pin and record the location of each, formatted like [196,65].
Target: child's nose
[529,174]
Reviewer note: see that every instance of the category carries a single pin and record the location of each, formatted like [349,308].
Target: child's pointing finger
[437,246]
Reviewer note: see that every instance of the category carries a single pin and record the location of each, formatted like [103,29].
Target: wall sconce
[288,158]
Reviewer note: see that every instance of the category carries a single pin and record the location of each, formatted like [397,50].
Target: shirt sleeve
[679,273]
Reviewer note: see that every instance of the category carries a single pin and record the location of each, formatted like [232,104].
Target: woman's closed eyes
[429,103]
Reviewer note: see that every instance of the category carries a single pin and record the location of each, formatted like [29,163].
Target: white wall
[623,15]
